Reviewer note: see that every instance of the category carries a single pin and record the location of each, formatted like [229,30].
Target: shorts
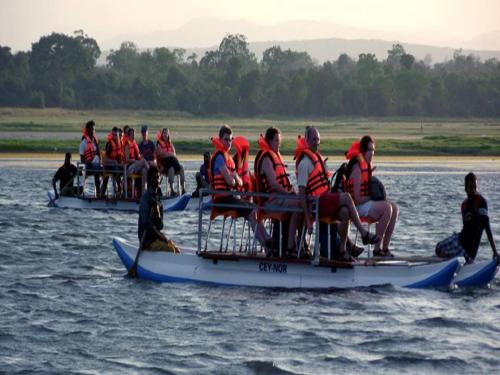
[364,208]
[280,204]
[329,204]
[450,247]
[171,162]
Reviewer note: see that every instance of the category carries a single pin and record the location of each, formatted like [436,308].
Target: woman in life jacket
[240,158]
[271,176]
[223,176]
[90,154]
[359,172]
[168,161]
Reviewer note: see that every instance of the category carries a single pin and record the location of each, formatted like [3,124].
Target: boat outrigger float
[243,266]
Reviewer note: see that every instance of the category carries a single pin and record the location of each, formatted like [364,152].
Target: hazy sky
[22,22]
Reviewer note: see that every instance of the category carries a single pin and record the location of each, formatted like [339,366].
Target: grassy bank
[426,146]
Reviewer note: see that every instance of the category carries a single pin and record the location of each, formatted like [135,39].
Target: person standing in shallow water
[475,220]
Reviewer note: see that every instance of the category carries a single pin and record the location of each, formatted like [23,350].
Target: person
[271,176]
[167,159]
[113,159]
[90,154]
[146,147]
[132,158]
[202,179]
[65,175]
[312,178]
[241,146]
[358,175]
[223,176]
[151,217]
[475,220]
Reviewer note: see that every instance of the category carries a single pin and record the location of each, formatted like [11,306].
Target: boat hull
[170,204]
[477,274]
[276,273]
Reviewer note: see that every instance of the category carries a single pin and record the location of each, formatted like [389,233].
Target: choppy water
[66,307]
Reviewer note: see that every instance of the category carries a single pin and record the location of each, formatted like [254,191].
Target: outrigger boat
[244,267]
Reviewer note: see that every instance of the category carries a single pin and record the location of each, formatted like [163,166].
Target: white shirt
[305,168]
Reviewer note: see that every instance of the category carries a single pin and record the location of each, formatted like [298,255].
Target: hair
[125,129]
[89,124]
[271,133]
[470,177]
[115,129]
[68,155]
[151,170]
[309,130]
[130,130]
[365,141]
[225,129]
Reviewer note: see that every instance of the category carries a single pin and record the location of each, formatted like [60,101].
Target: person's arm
[303,171]
[54,180]
[268,170]
[485,223]
[356,177]
[81,150]
[231,178]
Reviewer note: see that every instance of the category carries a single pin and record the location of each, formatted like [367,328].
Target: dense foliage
[61,71]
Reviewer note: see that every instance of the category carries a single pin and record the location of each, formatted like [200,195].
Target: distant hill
[322,50]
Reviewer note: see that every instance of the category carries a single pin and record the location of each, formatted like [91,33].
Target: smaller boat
[169,204]
[477,274]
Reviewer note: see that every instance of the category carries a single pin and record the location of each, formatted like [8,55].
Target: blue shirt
[147,150]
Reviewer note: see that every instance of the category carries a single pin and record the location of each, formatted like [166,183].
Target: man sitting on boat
[112,160]
[202,178]
[90,154]
[223,176]
[271,176]
[132,158]
[151,217]
[475,220]
[313,180]
[167,160]
[359,179]
[147,148]
[65,175]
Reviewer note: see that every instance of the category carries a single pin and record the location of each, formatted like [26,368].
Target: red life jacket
[366,171]
[124,141]
[217,180]
[133,149]
[90,152]
[166,146]
[317,181]
[116,149]
[242,148]
[262,184]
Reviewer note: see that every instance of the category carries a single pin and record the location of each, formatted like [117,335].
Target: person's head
[470,183]
[114,132]
[153,178]
[367,148]
[120,132]
[67,158]
[165,134]
[90,127]
[206,157]
[313,138]
[226,136]
[125,129]
[130,133]
[273,138]
[144,132]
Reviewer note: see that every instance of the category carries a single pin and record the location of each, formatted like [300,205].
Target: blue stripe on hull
[180,204]
[481,278]
[441,279]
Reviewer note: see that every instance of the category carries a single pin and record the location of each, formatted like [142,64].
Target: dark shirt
[147,218]
[475,220]
[204,172]
[147,150]
[65,175]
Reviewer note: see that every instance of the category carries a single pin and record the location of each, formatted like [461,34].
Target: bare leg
[171,176]
[343,214]
[346,200]
[183,182]
[292,229]
[381,211]
[390,227]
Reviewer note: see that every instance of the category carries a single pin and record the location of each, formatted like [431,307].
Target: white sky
[23,22]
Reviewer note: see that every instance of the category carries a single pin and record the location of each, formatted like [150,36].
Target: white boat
[259,271]
[169,204]
[479,273]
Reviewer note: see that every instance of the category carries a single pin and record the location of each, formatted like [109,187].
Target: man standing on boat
[65,174]
[271,176]
[475,220]
[223,176]
[151,217]
[313,180]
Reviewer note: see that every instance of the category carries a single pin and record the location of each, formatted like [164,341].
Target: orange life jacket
[317,181]
[90,152]
[166,146]
[116,149]
[217,180]
[366,171]
[262,184]
[133,149]
[124,141]
[242,148]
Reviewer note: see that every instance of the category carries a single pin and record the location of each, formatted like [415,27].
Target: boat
[477,274]
[169,203]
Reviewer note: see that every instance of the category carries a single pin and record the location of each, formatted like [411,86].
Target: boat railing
[251,197]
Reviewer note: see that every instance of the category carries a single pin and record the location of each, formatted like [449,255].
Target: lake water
[66,307]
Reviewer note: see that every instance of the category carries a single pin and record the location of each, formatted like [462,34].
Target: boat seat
[226,213]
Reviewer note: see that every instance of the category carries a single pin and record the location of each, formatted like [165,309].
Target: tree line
[61,71]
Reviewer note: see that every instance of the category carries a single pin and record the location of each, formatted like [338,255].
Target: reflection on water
[67,307]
